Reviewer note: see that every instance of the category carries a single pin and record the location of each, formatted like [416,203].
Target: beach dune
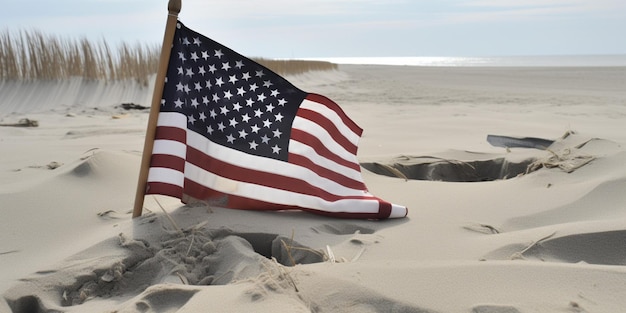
[490,229]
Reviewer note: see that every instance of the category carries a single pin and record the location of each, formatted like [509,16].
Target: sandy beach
[547,238]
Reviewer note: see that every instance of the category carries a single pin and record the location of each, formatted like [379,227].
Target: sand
[508,241]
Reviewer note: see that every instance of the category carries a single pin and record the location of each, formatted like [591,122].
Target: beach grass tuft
[33,55]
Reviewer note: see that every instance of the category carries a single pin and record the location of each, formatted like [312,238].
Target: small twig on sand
[520,255]
[180,232]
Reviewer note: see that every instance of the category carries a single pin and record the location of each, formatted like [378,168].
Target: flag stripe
[322,135]
[300,149]
[329,128]
[170,147]
[326,173]
[245,160]
[280,196]
[166,175]
[293,178]
[168,161]
[193,189]
[321,149]
[334,107]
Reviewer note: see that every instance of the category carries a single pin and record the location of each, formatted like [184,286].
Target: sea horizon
[612,60]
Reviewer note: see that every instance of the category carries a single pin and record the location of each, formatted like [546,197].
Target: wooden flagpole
[173,7]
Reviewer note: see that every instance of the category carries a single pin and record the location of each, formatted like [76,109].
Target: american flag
[233,132]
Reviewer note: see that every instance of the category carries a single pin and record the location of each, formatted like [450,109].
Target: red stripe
[335,107]
[168,161]
[321,149]
[198,191]
[159,188]
[171,133]
[261,178]
[326,173]
[330,127]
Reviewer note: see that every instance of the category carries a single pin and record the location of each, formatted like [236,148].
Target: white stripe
[322,134]
[268,165]
[166,175]
[333,117]
[298,148]
[279,196]
[170,147]
[172,119]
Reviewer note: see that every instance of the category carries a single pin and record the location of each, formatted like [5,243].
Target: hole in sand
[435,169]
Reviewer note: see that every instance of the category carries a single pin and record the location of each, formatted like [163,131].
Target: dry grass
[33,55]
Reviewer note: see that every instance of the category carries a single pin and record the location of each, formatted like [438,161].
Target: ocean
[498,61]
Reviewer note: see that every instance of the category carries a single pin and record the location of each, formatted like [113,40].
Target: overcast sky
[344,28]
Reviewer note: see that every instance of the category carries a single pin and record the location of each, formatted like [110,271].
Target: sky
[343,28]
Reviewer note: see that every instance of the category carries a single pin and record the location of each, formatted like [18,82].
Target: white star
[216,98]
[219,54]
[162,101]
[261,97]
[209,129]
[279,117]
[225,66]
[205,55]
[255,129]
[267,83]
[224,110]
[212,68]
[208,84]
[212,114]
[191,119]
[236,106]
[253,145]
[178,103]
[202,116]
[228,94]
[233,122]
[198,87]
[239,64]
[258,113]
[270,108]
[205,100]
[260,73]
[243,134]
[219,81]
[277,133]
[186,41]
[245,118]
[181,56]
[282,102]
[196,41]
[194,103]
[189,72]
[230,138]
[232,79]
[201,70]
[253,87]
[267,123]
[194,56]
[187,89]
[180,70]
[246,76]
[276,149]
[221,126]
[275,93]
[249,102]
[241,91]
[180,86]
[265,139]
